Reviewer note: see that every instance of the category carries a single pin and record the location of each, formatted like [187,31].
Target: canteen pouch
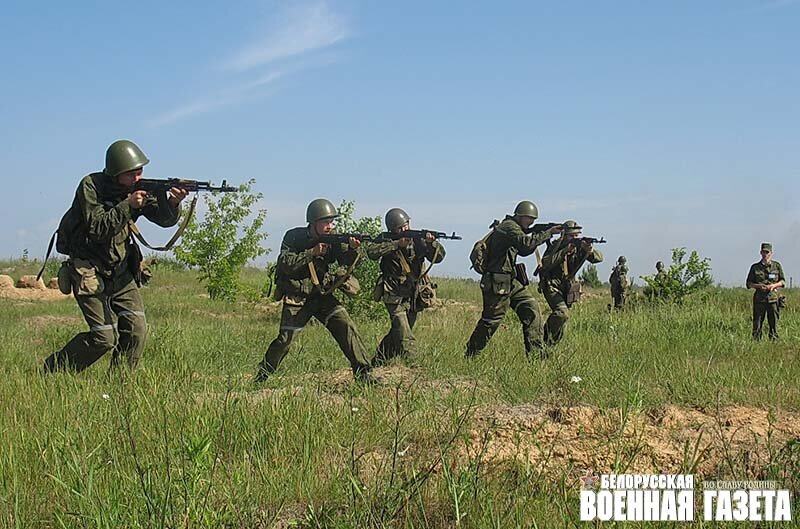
[64,280]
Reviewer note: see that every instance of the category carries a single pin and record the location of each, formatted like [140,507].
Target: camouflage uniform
[765,304]
[400,271]
[104,269]
[501,289]
[619,284]
[555,281]
[302,300]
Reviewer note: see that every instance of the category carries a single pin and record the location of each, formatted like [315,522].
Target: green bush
[367,271]
[590,278]
[682,279]
[223,242]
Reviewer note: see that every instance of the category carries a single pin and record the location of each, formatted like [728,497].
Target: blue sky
[654,124]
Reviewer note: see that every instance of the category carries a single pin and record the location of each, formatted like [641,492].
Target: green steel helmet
[319,209]
[622,259]
[526,208]
[659,265]
[396,218]
[571,228]
[123,156]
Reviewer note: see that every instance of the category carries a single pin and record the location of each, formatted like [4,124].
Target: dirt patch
[452,304]
[585,439]
[54,321]
[210,315]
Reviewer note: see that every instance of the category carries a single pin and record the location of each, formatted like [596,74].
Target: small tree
[682,279]
[590,278]
[367,270]
[223,243]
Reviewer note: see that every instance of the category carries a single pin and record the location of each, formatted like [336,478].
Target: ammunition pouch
[522,274]
[781,302]
[84,278]
[378,290]
[426,293]
[498,284]
[572,293]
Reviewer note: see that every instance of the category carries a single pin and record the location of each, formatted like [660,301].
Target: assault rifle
[157,185]
[539,228]
[590,240]
[420,234]
[343,238]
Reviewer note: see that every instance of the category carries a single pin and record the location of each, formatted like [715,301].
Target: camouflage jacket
[293,276]
[396,280]
[619,277]
[761,274]
[103,235]
[552,274]
[507,242]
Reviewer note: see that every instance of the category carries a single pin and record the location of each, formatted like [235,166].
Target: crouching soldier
[303,260]
[560,263]
[503,283]
[104,266]
[403,285]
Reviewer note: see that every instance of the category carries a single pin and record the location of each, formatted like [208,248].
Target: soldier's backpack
[66,237]
[479,250]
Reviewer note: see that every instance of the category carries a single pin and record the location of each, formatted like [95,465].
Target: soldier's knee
[102,338]
[561,312]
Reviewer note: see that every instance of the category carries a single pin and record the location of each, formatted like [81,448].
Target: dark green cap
[123,156]
[766,246]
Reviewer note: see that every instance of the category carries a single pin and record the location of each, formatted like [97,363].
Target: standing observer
[766,277]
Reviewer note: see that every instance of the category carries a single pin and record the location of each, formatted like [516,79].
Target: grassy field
[500,441]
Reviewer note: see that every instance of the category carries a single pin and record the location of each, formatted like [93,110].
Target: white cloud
[301,29]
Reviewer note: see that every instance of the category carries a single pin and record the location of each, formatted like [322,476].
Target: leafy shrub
[590,278]
[682,279]
[367,271]
[223,242]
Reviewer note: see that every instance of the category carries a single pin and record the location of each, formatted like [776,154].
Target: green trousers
[328,311]
[116,323]
[770,311]
[400,340]
[495,306]
[618,295]
[559,315]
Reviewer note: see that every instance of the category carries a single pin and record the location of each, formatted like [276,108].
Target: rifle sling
[175,236]
[336,284]
[47,255]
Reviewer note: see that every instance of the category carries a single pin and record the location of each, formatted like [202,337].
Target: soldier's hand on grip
[137,198]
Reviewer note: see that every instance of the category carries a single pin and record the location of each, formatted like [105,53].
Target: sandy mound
[31,282]
[585,439]
[37,292]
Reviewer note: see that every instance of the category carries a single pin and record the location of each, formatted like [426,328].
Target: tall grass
[188,441]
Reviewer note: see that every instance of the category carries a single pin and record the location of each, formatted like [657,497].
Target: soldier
[619,283]
[661,275]
[560,263]
[502,287]
[402,264]
[304,259]
[766,277]
[104,266]
[656,288]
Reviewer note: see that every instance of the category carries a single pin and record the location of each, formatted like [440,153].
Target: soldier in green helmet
[766,277]
[500,285]
[104,266]
[302,261]
[619,283]
[560,263]
[402,265]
